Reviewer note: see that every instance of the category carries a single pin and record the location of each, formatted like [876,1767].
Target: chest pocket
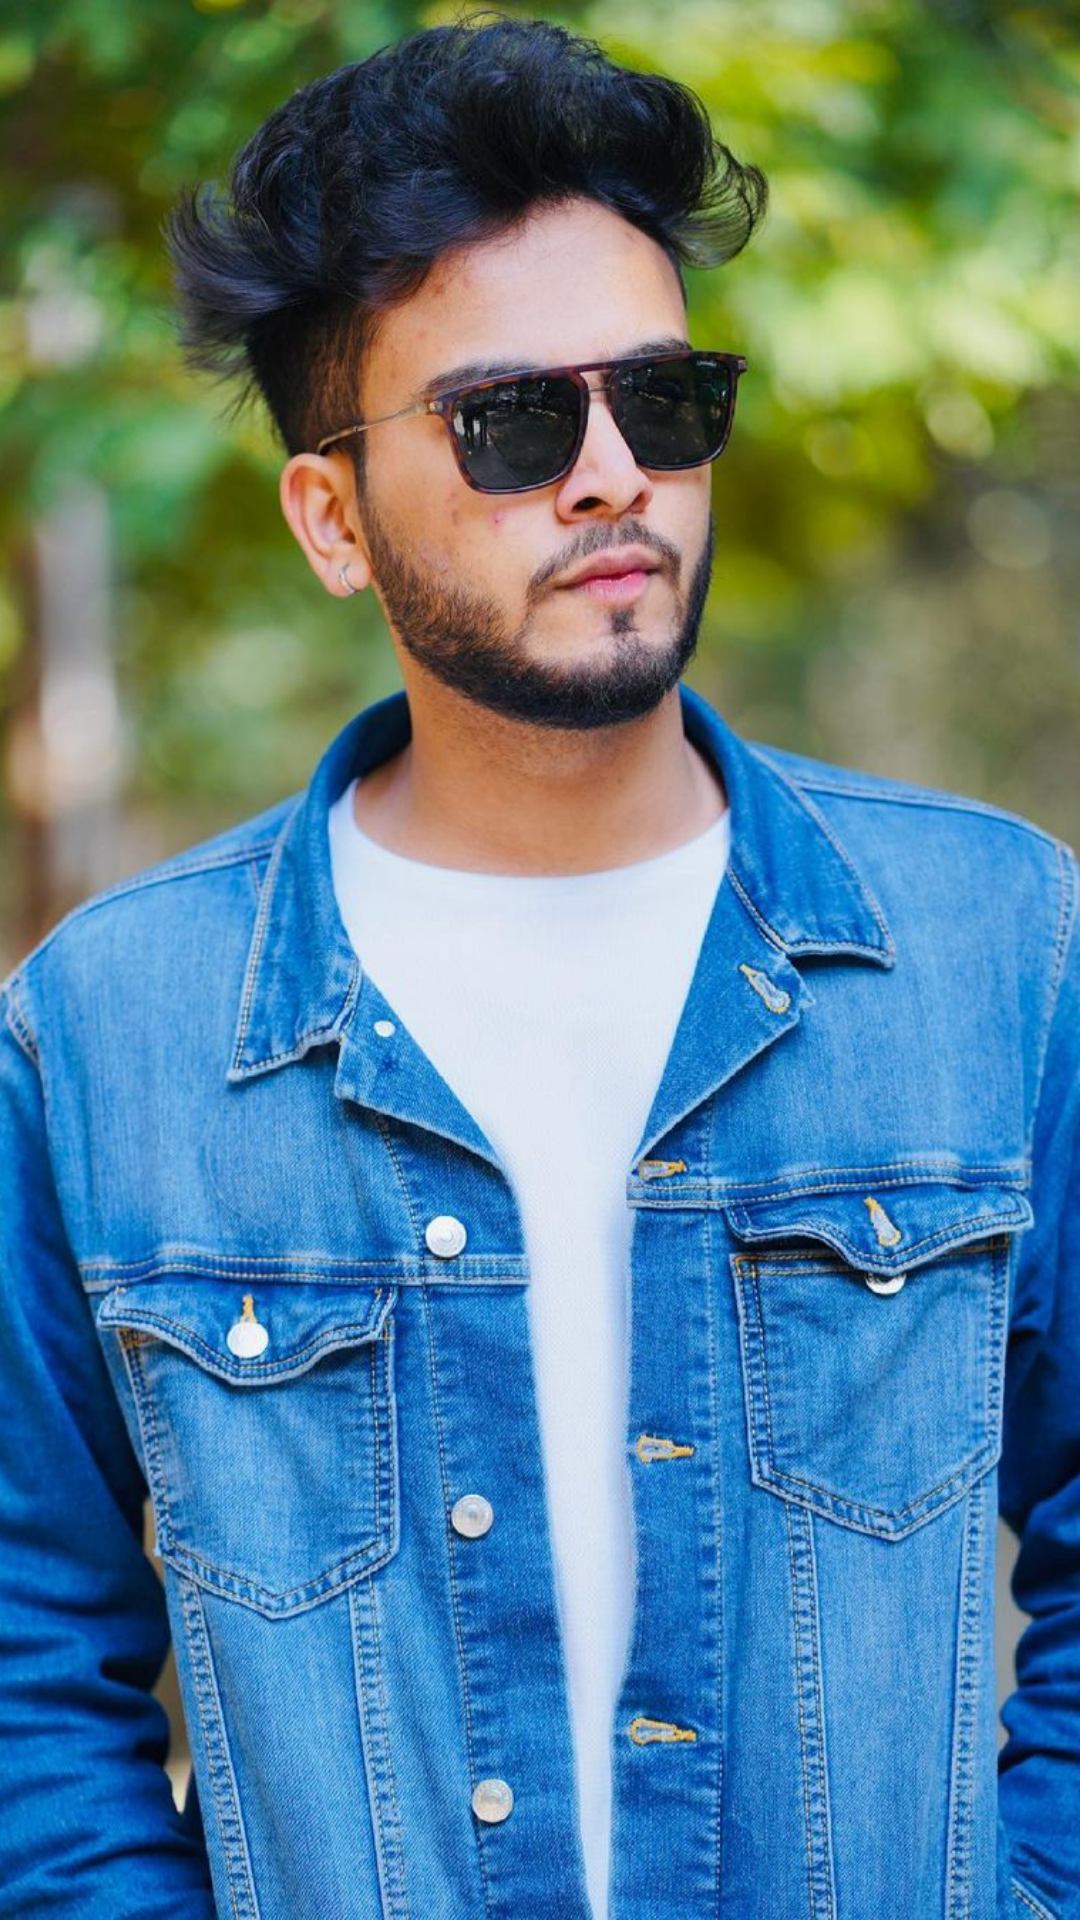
[872,1334]
[267,1423]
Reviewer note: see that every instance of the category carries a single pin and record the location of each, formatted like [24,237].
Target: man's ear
[318,499]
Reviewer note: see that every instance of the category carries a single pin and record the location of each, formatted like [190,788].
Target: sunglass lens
[674,413]
[518,434]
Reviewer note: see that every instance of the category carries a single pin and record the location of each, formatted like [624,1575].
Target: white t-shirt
[549,1005]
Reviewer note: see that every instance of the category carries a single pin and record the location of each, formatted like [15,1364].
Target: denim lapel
[790,888]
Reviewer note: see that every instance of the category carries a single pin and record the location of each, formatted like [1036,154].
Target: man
[575,1219]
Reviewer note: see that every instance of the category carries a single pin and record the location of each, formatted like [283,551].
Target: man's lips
[618,575]
[611,565]
[614,586]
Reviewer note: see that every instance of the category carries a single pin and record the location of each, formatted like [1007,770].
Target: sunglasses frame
[444,403]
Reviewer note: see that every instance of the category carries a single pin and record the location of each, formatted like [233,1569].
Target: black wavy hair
[340,203]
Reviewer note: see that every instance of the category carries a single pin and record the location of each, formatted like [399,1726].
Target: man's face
[469,581]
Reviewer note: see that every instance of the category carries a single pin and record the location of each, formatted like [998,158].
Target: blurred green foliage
[897,580]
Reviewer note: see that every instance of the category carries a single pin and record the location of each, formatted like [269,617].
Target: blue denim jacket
[229,1281]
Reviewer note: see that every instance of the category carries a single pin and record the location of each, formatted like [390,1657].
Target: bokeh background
[897,574]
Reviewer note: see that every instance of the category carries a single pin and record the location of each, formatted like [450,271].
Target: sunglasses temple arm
[361,426]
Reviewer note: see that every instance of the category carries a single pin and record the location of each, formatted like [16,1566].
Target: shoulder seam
[1069,874]
[155,877]
[915,796]
[17,1022]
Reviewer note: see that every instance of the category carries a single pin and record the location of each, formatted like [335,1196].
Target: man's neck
[502,798]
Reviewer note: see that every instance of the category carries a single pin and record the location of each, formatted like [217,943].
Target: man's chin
[585,701]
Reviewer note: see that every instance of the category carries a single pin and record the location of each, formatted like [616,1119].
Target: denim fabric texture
[260,1264]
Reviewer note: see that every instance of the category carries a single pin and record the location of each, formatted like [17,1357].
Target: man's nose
[605,470]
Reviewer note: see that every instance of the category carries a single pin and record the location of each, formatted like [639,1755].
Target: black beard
[462,640]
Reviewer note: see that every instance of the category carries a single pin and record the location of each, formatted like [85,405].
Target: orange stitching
[665,1730]
[777,999]
[888,1233]
[650,1447]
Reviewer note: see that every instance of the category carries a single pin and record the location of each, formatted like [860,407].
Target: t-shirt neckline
[688,852]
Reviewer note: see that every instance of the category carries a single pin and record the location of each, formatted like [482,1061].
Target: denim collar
[303,979]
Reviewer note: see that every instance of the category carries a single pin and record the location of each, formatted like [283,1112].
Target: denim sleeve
[89,1830]
[1039,1765]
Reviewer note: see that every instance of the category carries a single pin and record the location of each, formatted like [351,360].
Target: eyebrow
[473,370]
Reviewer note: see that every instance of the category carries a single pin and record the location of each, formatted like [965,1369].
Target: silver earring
[343,576]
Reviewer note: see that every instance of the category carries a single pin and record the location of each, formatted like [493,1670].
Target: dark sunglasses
[524,430]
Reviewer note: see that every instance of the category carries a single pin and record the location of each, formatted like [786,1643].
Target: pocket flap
[302,1320]
[888,1230]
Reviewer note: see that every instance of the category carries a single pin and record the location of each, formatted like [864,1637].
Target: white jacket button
[247,1337]
[445,1235]
[492,1800]
[878,1284]
[472,1515]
